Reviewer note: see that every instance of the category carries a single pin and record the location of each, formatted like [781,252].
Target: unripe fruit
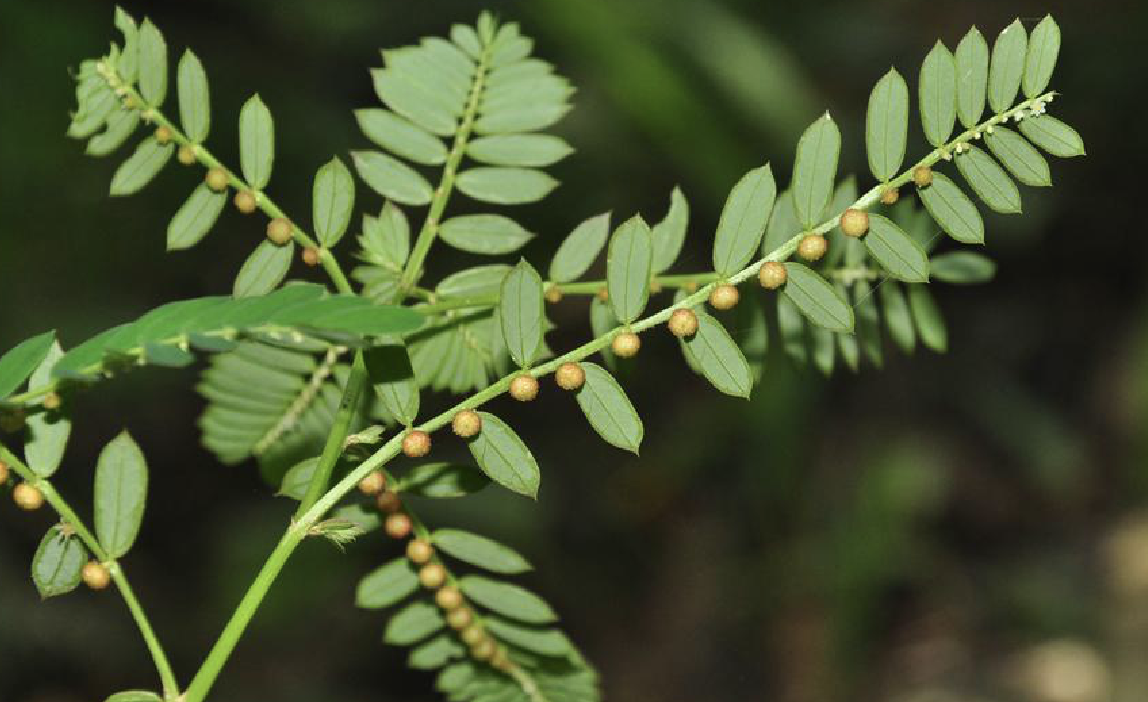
[772,275]
[724,297]
[890,196]
[95,575]
[186,155]
[27,497]
[553,294]
[812,247]
[432,576]
[162,135]
[245,201]
[449,598]
[373,484]
[524,388]
[51,401]
[3,472]
[131,102]
[466,424]
[459,619]
[626,344]
[570,376]
[923,176]
[419,551]
[499,659]
[683,322]
[388,502]
[483,650]
[603,294]
[279,231]
[311,256]
[854,222]
[472,634]
[398,526]
[216,179]
[416,444]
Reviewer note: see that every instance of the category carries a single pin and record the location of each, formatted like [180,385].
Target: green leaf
[783,224]
[58,563]
[602,320]
[333,198]
[962,267]
[195,218]
[256,142]
[471,282]
[743,220]
[712,351]
[1052,135]
[47,435]
[521,307]
[297,479]
[670,233]
[938,94]
[392,178]
[579,249]
[528,150]
[442,480]
[1007,67]
[824,349]
[887,125]
[135,696]
[815,170]
[121,124]
[507,599]
[479,551]
[505,185]
[816,298]
[194,99]
[628,265]
[264,269]
[988,180]
[897,252]
[389,367]
[608,409]
[972,77]
[412,101]
[794,336]
[152,64]
[399,136]
[148,159]
[120,495]
[435,653]
[1043,49]
[387,585]
[1018,156]
[386,239]
[898,319]
[546,642]
[22,360]
[927,316]
[485,234]
[953,210]
[413,623]
[503,457]
[128,63]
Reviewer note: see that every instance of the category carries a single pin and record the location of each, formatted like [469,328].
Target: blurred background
[959,527]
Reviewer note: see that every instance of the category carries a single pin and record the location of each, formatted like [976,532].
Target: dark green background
[871,537]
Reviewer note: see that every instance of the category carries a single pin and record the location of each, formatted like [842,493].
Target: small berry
[655,286]
[691,287]
[553,294]
[311,256]
[186,155]
[373,484]
[419,551]
[162,135]
[388,502]
[483,650]
[245,201]
[448,598]
[923,176]
[432,576]
[416,444]
[95,575]
[3,472]
[812,247]
[890,196]
[460,618]
[216,179]
[499,659]
[466,424]
[279,231]
[854,222]
[398,526]
[603,294]
[472,634]
[28,498]
[51,401]
[683,322]
[772,275]
[570,376]
[131,102]
[627,344]
[724,297]
[524,387]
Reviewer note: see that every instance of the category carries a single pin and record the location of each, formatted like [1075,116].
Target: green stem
[69,517]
